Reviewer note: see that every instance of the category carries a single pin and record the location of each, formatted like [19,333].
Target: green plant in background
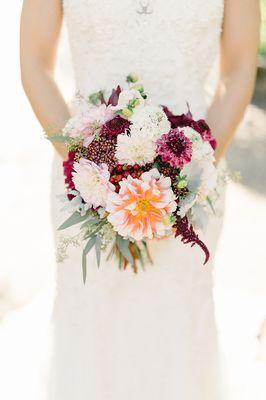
[263,28]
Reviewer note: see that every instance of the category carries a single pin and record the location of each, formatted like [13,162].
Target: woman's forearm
[226,112]
[46,100]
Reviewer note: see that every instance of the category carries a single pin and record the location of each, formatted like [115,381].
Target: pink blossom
[87,122]
[175,148]
[92,181]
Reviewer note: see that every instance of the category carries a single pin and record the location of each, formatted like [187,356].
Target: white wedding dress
[151,335]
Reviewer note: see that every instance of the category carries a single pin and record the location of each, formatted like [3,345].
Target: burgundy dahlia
[115,127]
[175,148]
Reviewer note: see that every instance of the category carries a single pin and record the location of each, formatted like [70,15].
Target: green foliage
[86,250]
[75,218]
[123,246]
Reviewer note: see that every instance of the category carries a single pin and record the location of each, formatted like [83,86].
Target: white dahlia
[92,182]
[136,148]
[200,148]
[151,120]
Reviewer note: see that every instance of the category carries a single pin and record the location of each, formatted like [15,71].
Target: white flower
[75,204]
[92,181]
[150,119]
[186,204]
[126,96]
[136,148]
[200,148]
[202,181]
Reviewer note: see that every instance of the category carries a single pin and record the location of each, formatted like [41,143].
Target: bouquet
[135,172]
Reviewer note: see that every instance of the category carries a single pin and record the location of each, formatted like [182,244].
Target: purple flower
[178,121]
[113,99]
[115,127]
[203,129]
[175,148]
[201,126]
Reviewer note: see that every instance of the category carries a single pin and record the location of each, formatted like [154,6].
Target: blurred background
[27,253]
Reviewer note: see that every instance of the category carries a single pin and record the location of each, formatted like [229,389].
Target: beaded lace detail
[172,46]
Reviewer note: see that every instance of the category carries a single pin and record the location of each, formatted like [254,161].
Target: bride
[152,335]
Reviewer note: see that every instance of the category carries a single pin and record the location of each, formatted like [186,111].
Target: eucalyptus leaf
[90,221]
[211,205]
[73,220]
[89,245]
[120,261]
[58,138]
[86,250]
[123,246]
[97,228]
[98,250]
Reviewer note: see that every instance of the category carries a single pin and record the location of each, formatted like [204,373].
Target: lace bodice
[171,44]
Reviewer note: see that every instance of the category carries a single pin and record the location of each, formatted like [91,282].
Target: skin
[41,22]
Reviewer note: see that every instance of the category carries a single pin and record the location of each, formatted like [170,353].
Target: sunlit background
[27,253]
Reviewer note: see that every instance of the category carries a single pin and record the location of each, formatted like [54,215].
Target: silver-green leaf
[90,245]
[98,250]
[86,250]
[58,138]
[123,246]
[75,218]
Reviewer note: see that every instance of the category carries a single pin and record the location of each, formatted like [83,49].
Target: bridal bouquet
[135,172]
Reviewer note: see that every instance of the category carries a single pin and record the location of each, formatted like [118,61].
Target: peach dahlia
[142,207]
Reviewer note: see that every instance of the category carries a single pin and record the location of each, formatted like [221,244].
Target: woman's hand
[40,28]
[238,64]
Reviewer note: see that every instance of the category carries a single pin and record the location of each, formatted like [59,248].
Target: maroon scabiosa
[200,126]
[175,148]
[115,127]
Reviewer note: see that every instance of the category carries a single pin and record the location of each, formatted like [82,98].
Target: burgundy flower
[174,148]
[178,121]
[200,126]
[113,100]
[102,151]
[185,230]
[68,168]
[115,127]
[204,130]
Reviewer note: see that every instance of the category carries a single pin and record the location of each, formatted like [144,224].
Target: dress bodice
[171,44]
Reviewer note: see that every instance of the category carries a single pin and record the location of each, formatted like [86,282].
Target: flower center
[177,146]
[143,206]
